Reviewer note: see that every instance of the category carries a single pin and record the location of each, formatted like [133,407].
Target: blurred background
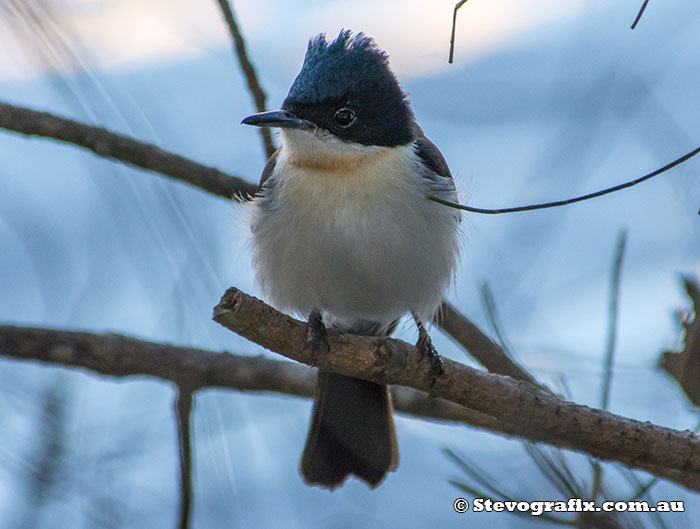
[545,100]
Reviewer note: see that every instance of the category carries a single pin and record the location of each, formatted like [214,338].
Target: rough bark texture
[536,414]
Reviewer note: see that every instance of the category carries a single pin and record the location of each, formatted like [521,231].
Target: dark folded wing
[269,168]
[430,154]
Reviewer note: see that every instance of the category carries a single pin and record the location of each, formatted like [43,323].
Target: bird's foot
[316,336]
[426,349]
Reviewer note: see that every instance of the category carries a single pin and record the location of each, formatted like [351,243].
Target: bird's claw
[316,337]
[426,349]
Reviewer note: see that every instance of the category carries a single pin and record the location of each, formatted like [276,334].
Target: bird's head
[345,101]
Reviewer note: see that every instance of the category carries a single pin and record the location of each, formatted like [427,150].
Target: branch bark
[254,87]
[115,355]
[535,414]
[121,148]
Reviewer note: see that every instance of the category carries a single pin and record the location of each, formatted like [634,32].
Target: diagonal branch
[124,149]
[536,415]
[639,15]
[256,90]
[481,347]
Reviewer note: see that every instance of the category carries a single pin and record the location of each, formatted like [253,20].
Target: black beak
[277,118]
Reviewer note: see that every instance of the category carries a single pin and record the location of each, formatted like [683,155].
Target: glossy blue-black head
[347,88]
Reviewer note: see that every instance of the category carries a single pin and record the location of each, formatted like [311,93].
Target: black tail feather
[352,432]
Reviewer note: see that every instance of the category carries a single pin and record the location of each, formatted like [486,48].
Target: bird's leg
[316,335]
[427,349]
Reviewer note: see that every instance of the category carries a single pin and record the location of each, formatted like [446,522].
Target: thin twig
[454,30]
[183,412]
[610,348]
[639,15]
[121,148]
[558,203]
[489,303]
[612,320]
[259,96]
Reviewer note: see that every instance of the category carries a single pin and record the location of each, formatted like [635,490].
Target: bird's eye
[344,117]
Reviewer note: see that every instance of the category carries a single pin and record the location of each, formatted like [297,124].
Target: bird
[343,234]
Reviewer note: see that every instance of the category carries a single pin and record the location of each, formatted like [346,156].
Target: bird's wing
[269,168]
[430,154]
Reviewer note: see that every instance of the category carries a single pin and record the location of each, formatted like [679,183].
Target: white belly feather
[357,240]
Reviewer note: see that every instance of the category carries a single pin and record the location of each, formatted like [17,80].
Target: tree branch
[122,356]
[116,355]
[215,371]
[183,414]
[535,414]
[259,96]
[639,15]
[134,152]
[481,347]
[124,149]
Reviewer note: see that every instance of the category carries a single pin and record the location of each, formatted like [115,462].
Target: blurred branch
[50,452]
[639,15]
[480,346]
[535,414]
[259,96]
[122,356]
[124,149]
[610,348]
[612,318]
[183,413]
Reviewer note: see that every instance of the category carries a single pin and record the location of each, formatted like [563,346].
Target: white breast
[352,233]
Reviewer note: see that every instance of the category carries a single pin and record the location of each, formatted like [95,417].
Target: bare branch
[259,96]
[536,414]
[612,319]
[459,4]
[121,356]
[183,413]
[480,346]
[124,149]
[639,15]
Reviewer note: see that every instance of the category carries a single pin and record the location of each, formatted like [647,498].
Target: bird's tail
[352,431]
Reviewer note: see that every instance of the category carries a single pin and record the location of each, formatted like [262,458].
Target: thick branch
[121,356]
[536,415]
[123,149]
